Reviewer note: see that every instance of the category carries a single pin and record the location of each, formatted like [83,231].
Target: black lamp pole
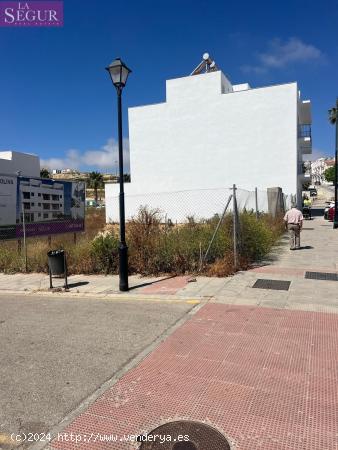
[123,248]
[119,73]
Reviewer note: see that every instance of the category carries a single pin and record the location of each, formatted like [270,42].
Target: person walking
[293,220]
[307,203]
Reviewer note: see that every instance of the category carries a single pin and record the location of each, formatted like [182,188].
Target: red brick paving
[166,286]
[268,379]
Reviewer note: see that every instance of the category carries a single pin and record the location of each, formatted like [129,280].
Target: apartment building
[40,201]
[210,134]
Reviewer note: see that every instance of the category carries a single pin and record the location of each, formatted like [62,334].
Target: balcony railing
[304,131]
[304,169]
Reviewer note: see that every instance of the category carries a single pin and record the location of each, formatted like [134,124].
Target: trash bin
[57,265]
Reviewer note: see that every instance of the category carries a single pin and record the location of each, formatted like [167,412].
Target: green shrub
[104,250]
[154,246]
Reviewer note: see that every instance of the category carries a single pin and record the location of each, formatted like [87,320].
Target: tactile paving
[265,378]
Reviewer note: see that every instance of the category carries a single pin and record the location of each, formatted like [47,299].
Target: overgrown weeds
[155,247]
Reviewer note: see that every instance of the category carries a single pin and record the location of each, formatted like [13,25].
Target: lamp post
[119,72]
[333,118]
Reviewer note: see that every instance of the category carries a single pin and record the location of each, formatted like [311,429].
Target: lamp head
[118,72]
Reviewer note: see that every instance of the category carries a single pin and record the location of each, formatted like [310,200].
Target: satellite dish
[205,56]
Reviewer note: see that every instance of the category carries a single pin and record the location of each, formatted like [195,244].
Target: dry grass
[153,247]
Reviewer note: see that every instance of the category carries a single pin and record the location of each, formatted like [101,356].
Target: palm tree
[44,173]
[333,116]
[333,119]
[95,182]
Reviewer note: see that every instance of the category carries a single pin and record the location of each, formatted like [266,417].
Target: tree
[95,182]
[44,173]
[329,174]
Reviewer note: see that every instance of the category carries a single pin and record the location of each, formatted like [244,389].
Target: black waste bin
[57,265]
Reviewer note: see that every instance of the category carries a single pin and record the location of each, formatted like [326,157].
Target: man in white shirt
[293,223]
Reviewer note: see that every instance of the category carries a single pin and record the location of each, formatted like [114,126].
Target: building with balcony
[210,133]
[40,201]
[318,168]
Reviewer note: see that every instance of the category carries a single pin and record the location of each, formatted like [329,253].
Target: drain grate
[321,276]
[196,436]
[307,228]
[277,285]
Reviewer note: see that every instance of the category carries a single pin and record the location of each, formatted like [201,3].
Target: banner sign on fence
[40,206]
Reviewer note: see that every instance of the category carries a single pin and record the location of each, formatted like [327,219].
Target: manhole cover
[185,435]
[321,276]
[277,285]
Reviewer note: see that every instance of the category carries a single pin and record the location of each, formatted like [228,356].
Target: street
[57,351]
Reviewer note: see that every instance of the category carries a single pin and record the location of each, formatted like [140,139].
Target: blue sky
[57,100]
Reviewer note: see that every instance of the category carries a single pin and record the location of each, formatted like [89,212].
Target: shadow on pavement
[79,283]
[149,283]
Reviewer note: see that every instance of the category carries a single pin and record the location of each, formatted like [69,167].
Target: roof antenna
[207,65]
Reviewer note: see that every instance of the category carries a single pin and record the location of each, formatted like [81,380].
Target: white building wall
[203,139]
[12,162]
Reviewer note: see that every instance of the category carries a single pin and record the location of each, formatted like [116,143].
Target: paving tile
[266,378]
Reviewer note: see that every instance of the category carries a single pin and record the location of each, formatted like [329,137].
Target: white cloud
[282,54]
[106,158]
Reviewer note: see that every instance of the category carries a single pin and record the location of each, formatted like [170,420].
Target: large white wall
[206,136]
[12,162]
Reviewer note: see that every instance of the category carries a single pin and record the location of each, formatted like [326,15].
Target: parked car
[327,209]
[331,213]
[313,192]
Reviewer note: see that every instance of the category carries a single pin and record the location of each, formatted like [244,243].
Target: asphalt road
[55,352]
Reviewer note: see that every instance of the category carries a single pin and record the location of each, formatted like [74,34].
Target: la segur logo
[31,14]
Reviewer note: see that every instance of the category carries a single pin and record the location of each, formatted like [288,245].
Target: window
[39,204]
[45,215]
[32,204]
[39,215]
[32,194]
[26,195]
[39,194]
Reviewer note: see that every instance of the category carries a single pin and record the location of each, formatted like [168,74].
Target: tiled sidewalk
[266,378]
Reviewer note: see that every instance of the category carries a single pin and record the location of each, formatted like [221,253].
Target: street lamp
[333,118]
[119,72]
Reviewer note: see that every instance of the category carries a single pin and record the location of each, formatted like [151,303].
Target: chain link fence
[178,206]
[212,207]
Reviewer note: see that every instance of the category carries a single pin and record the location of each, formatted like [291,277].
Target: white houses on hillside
[212,134]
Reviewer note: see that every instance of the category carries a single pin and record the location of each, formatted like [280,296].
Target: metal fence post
[24,234]
[234,211]
[202,260]
[256,202]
